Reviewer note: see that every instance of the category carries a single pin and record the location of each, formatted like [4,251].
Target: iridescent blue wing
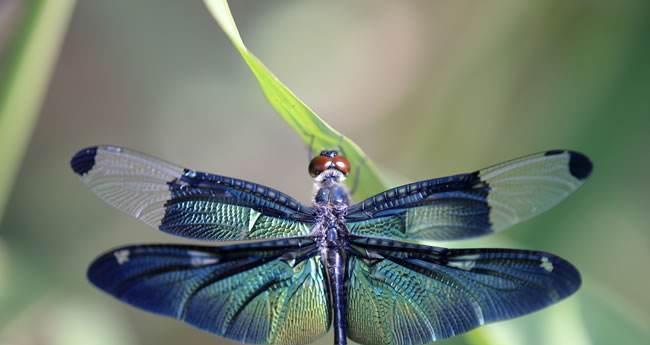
[187,203]
[474,204]
[269,292]
[407,294]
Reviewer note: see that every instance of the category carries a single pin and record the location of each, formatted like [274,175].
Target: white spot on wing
[546,264]
[253,216]
[122,256]
[200,258]
[463,265]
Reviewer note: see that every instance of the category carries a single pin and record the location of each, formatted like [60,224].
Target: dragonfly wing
[269,292]
[187,203]
[408,294]
[474,204]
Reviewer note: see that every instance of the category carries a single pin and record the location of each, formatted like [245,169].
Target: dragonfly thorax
[332,196]
[331,204]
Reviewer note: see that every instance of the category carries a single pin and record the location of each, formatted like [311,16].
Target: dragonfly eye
[319,164]
[341,164]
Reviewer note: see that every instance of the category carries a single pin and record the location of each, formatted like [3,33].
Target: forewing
[407,294]
[269,292]
[187,203]
[474,204]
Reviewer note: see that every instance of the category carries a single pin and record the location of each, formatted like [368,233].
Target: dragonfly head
[329,164]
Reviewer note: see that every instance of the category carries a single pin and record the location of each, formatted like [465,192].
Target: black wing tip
[92,272]
[84,160]
[580,166]
[96,272]
[101,270]
[568,281]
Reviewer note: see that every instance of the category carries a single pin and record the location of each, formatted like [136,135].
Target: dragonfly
[281,272]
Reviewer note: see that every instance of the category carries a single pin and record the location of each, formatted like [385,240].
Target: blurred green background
[425,88]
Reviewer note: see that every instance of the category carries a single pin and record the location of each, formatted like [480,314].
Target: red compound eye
[319,164]
[341,164]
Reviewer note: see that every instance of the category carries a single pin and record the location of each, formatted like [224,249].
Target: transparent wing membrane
[474,204]
[189,203]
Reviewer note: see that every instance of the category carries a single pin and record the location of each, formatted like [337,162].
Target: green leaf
[26,70]
[364,179]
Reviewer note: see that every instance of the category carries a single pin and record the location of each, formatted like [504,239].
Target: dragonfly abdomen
[335,262]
